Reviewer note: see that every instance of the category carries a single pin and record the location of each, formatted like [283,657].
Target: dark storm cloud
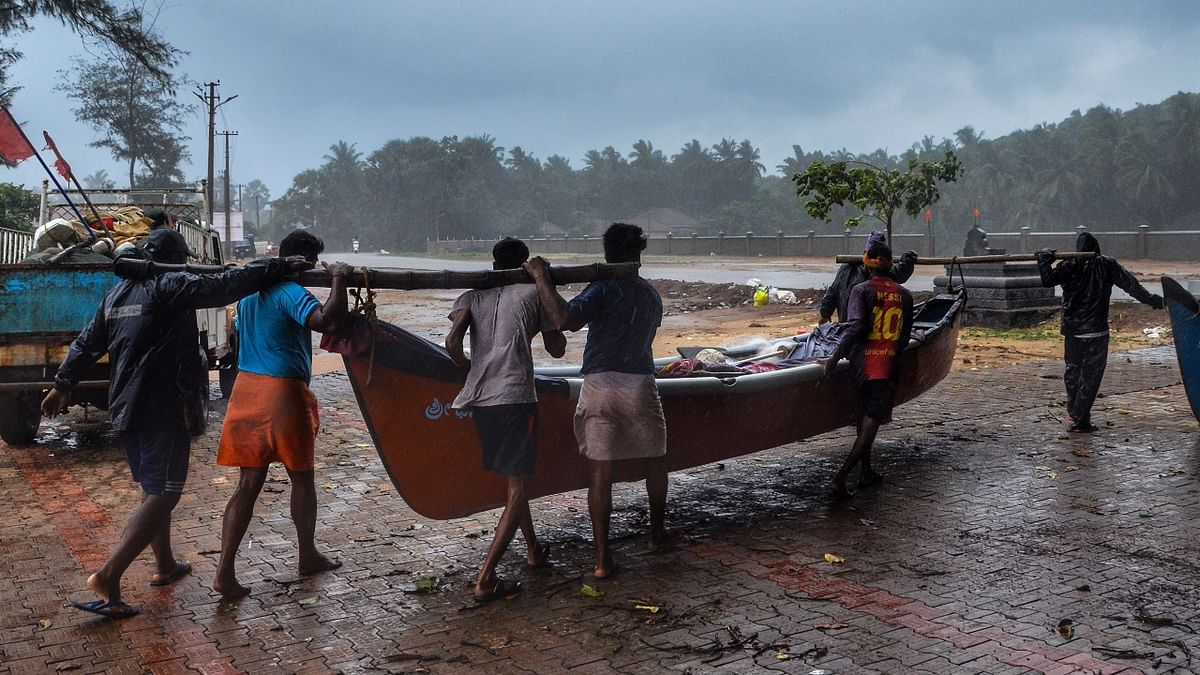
[568,77]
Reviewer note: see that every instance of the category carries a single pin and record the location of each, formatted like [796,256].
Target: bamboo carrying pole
[967,259]
[406,280]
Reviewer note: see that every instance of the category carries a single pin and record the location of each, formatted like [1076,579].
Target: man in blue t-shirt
[619,416]
[272,415]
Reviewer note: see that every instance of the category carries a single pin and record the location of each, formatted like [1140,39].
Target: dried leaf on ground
[834,559]
[590,592]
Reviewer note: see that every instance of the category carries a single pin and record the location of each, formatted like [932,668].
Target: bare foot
[230,589]
[317,564]
[869,479]
[538,557]
[661,540]
[103,588]
[839,492]
[606,569]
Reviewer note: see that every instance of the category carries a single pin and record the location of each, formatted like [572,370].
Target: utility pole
[212,101]
[239,187]
[228,214]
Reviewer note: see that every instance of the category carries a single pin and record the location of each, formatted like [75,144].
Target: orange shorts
[270,419]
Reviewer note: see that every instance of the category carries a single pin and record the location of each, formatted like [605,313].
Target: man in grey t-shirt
[500,394]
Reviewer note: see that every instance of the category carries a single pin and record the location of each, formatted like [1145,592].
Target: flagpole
[71,177]
[52,177]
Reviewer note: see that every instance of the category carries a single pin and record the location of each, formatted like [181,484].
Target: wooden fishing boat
[404,385]
[1185,326]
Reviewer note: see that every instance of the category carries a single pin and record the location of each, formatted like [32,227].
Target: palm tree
[98,180]
[1143,176]
[256,193]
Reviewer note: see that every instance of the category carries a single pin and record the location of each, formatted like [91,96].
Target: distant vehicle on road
[243,249]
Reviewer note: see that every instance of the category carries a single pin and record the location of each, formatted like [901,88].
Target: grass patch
[1046,333]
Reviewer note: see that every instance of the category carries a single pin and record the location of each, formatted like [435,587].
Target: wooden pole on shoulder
[968,259]
[406,280]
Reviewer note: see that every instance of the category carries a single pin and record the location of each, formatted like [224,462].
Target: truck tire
[20,416]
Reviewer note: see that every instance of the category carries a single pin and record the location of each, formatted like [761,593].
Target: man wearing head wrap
[1087,286]
[147,326]
[880,322]
[849,275]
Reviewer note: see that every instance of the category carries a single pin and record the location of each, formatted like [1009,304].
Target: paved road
[993,529]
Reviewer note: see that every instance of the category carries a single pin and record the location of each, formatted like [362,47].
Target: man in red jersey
[880,318]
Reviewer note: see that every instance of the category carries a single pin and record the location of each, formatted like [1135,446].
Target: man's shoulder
[288,290]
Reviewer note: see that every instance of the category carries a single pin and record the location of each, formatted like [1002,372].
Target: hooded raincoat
[1087,287]
[148,328]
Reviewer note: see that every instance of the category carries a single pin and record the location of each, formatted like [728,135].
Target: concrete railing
[1140,243]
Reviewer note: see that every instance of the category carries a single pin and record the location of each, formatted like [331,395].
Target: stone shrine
[1000,294]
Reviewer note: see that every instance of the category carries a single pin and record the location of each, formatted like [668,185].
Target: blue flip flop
[182,569]
[107,608]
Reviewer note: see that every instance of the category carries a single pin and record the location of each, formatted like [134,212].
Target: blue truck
[43,306]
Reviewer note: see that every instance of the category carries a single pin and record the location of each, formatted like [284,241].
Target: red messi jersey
[886,325]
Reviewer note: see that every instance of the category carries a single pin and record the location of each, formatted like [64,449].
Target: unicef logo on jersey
[437,410]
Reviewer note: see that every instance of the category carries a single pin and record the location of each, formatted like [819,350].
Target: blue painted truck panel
[59,299]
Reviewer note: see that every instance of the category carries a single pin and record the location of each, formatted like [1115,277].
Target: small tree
[133,108]
[877,192]
[18,207]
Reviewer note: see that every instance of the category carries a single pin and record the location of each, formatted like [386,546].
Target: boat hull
[434,458]
[1185,327]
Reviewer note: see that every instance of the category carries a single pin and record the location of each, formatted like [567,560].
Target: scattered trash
[426,585]
[831,625]
[647,605]
[761,296]
[834,559]
[1155,333]
[590,592]
[45,624]
[308,601]
[1065,629]
[765,294]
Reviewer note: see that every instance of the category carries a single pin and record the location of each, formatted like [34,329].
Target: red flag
[976,211]
[60,165]
[14,146]
[928,215]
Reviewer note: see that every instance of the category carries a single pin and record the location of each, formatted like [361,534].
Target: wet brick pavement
[992,528]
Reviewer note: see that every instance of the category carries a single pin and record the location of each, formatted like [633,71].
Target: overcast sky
[567,77]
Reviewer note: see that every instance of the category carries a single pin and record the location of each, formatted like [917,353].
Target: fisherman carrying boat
[849,275]
[880,322]
[1087,287]
[272,414]
[499,393]
[148,328]
[619,415]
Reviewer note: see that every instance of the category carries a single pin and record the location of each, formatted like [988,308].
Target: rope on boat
[367,309]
